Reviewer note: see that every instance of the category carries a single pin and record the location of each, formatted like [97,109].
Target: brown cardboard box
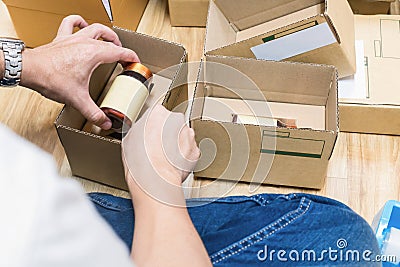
[370,7]
[98,158]
[375,107]
[252,150]
[188,13]
[324,28]
[37,21]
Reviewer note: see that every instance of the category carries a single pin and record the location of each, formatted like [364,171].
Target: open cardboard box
[188,13]
[252,150]
[314,31]
[37,21]
[98,158]
[372,102]
[370,7]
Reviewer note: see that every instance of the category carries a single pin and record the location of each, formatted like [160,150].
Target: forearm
[34,74]
[165,235]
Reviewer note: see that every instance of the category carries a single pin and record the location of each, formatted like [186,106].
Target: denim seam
[301,210]
[260,200]
[106,204]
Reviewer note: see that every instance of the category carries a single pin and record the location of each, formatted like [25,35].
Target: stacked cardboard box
[188,13]
[369,101]
[36,22]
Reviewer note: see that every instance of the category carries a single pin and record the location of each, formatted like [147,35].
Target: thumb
[93,113]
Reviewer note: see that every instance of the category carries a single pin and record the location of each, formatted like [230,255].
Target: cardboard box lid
[89,9]
[248,13]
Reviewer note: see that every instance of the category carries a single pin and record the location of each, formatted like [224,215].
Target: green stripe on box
[287,153]
[269,38]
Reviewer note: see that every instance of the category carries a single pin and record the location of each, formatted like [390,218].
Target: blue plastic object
[387,229]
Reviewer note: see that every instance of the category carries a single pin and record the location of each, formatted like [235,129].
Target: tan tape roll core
[126,95]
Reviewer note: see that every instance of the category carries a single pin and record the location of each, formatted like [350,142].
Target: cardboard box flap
[89,9]
[150,52]
[248,13]
[331,118]
[339,13]
[268,140]
[304,83]
[126,13]
[70,117]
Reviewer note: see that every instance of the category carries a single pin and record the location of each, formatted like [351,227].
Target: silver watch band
[12,50]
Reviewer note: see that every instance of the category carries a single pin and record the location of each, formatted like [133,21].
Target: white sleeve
[45,220]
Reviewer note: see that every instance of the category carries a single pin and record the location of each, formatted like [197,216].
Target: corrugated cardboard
[96,157]
[241,152]
[370,7]
[37,21]
[188,13]
[234,27]
[379,113]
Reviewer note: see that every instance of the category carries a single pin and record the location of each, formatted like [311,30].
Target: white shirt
[46,220]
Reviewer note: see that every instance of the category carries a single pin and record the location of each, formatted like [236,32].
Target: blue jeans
[266,230]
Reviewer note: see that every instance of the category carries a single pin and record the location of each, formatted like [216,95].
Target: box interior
[307,93]
[366,7]
[165,67]
[258,22]
[224,109]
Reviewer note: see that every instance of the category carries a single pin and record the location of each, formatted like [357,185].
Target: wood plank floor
[364,171]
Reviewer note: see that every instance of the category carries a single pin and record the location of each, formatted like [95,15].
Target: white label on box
[106,4]
[355,86]
[296,43]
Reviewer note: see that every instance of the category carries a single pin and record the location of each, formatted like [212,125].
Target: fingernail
[106,125]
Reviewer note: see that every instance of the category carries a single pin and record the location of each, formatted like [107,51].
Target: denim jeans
[266,230]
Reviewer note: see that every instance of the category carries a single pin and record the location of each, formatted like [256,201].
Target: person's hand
[158,153]
[62,69]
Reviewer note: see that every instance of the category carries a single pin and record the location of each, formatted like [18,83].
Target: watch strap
[12,50]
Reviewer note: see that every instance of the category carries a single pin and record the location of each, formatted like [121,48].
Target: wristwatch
[12,49]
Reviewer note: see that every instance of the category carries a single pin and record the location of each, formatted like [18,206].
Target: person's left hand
[61,70]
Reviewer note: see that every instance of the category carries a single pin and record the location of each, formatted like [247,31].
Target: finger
[92,112]
[110,53]
[69,23]
[97,31]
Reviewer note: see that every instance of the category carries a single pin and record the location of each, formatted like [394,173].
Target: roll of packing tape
[127,96]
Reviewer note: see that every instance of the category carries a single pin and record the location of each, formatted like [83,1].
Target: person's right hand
[158,153]
[62,69]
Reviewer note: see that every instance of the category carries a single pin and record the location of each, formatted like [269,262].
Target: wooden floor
[364,171]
